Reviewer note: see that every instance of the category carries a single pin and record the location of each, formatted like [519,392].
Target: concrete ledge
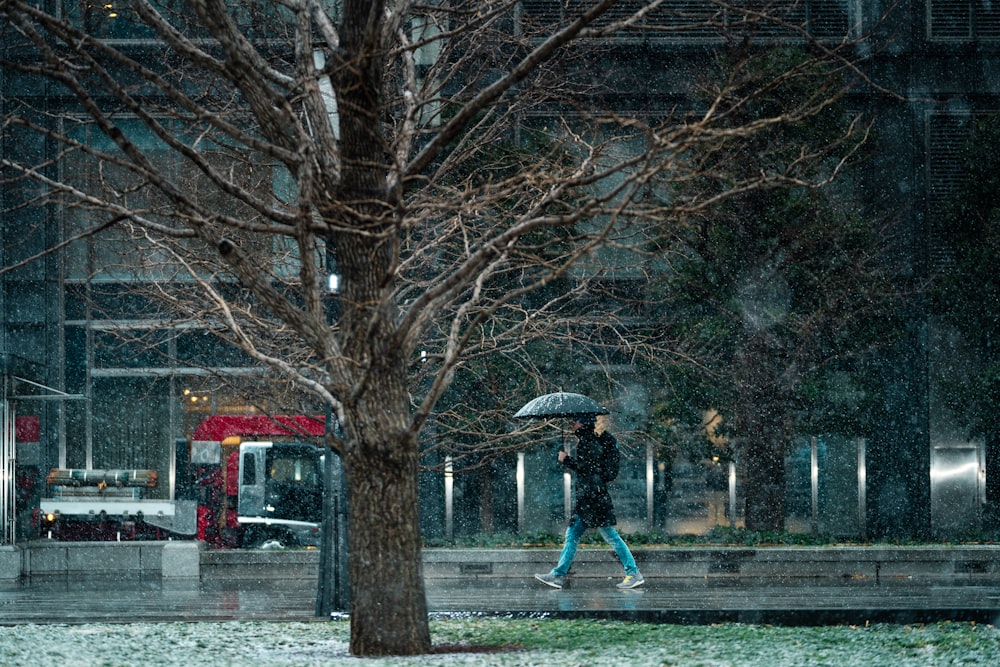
[181,560]
[49,557]
[967,562]
[190,560]
[260,564]
[10,562]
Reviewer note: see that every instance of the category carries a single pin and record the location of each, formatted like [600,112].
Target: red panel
[219,427]
[233,473]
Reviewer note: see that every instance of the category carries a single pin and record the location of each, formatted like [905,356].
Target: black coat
[593,502]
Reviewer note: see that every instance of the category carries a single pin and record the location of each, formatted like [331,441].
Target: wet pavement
[77,599]
[670,600]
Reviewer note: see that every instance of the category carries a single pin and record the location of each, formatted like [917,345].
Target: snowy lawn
[528,643]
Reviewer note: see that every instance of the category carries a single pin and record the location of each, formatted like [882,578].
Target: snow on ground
[567,644]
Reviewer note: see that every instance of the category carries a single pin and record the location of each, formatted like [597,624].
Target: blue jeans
[610,535]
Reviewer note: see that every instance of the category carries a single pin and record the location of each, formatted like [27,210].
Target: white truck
[235,489]
[106,504]
[280,493]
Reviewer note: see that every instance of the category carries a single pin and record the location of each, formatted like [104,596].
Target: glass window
[294,470]
[131,427]
[249,469]
[204,348]
[702,20]
[123,251]
[118,19]
[131,348]
[962,20]
[113,252]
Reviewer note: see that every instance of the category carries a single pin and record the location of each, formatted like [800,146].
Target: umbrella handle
[566,444]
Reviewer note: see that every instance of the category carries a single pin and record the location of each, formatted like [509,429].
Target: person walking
[596,465]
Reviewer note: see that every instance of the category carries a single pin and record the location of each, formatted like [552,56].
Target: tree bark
[761,423]
[765,484]
[388,602]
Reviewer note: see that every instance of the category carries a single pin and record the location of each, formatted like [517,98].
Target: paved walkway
[674,600]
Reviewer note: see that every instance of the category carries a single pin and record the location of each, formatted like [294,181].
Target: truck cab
[280,493]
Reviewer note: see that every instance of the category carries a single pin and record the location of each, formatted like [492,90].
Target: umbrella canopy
[560,404]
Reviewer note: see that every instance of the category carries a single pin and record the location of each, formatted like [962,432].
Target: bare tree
[449,162]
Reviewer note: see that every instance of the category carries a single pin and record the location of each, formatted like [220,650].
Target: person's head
[584,423]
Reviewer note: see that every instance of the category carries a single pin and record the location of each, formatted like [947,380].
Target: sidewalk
[776,586]
[683,601]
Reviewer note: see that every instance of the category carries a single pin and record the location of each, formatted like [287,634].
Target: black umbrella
[560,404]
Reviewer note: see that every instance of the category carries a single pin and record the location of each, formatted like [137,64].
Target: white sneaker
[553,580]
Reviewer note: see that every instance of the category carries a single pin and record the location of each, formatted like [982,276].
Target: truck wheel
[253,537]
[264,538]
[280,539]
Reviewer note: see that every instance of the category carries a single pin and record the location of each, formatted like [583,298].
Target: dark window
[204,348]
[117,19]
[139,348]
[701,20]
[963,19]
[249,469]
[946,133]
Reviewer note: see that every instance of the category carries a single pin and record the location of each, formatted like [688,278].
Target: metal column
[519,476]
[8,450]
[449,498]
[814,484]
[862,488]
[650,488]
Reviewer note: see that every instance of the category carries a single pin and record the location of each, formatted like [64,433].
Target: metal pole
[325,586]
[650,488]
[814,482]
[332,591]
[862,489]
[8,448]
[449,499]
[342,592]
[732,494]
[520,492]
[567,486]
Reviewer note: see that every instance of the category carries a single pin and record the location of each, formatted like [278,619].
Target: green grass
[734,644]
[499,642]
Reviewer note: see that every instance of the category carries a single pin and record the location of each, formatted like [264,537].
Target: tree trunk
[486,516]
[388,602]
[761,418]
[764,490]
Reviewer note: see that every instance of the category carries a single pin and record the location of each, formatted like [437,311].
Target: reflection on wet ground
[799,601]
